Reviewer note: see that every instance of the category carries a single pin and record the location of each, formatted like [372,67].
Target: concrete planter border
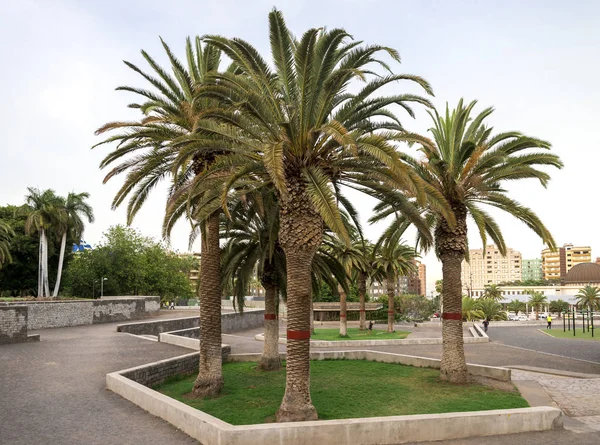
[367,343]
[365,431]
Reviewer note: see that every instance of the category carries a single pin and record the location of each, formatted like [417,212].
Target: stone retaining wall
[231,322]
[13,324]
[62,313]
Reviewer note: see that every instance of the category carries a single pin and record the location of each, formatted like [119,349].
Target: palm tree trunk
[300,234]
[45,267]
[343,312]
[270,357]
[451,246]
[391,290]
[210,376]
[40,292]
[61,258]
[362,292]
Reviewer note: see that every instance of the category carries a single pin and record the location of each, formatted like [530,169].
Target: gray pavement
[53,392]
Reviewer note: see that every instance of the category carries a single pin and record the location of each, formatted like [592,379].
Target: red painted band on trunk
[270,317]
[362,310]
[390,312]
[298,335]
[342,316]
[452,316]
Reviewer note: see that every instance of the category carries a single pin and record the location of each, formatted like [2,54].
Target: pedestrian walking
[549,320]
[370,328]
[486,323]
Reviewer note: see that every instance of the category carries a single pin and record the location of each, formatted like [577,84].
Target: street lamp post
[102,286]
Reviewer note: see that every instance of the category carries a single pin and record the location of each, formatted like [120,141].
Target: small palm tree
[394,259]
[44,212]
[516,306]
[468,166]
[6,234]
[536,301]
[493,292]
[491,309]
[588,297]
[471,310]
[70,220]
[559,306]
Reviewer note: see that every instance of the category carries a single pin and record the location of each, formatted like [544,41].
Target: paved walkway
[53,392]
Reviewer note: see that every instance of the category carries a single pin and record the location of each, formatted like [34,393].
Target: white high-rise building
[490,268]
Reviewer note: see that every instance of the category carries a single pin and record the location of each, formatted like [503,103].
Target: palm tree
[149,150]
[516,306]
[293,123]
[252,248]
[536,300]
[43,208]
[70,220]
[589,297]
[493,292]
[491,309]
[470,309]
[559,306]
[394,259]
[469,166]
[6,234]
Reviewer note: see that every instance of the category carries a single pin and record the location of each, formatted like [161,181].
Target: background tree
[469,166]
[471,310]
[536,301]
[43,214]
[6,235]
[516,306]
[559,306]
[588,297]
[493,292]
[491,309]
[70,220]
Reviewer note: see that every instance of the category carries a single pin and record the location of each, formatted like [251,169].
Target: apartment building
[556,265]
[490,267]
[531,270]
[414,283]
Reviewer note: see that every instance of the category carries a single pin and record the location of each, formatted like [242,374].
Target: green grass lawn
[356,334]
[558,333]
[342,389]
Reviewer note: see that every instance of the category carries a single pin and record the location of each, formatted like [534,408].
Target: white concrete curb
[366,343]
[366,431]
[481,331]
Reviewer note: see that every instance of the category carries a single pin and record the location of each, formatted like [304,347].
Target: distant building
[194,274]
[490,268]
[556,265]
[407,284]
[423,279]
[531,270]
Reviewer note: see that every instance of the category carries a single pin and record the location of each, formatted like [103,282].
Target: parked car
[513,317]
[523,318]
[543,315]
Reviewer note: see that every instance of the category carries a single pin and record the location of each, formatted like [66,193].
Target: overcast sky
[536,62]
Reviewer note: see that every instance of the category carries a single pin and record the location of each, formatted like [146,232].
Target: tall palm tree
[589,297]
[469,166]
[536,301]
[493,292]
[6,234]
[252,248]
[394,259]
[294,123]
[70,220]
[44,212]
[149,149]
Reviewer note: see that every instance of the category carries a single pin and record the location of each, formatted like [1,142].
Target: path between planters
[53,392]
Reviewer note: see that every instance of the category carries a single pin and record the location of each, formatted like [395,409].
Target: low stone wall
[63,313]
[366,431]
[231,322]
[13,324]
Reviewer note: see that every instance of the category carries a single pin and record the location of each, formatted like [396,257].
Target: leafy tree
[493,292]
[588,297]
[415,307]
[471,310]
[491,309]
[133,265]
[6,235]
[536,300]
[469,166]
[294,123]
[559,306]
[44,213]
[516,306]
[70,220]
